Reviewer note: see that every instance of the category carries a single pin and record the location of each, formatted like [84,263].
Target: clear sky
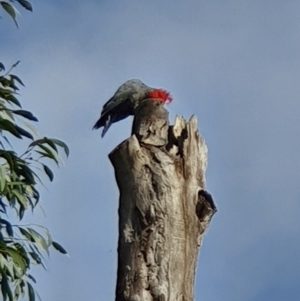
[236,65]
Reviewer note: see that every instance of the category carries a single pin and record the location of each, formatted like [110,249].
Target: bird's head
[161,95]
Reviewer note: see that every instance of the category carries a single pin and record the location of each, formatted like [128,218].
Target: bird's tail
[105,122]
[98,125]
[106,126]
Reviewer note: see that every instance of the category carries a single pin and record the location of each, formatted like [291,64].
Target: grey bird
[125,100]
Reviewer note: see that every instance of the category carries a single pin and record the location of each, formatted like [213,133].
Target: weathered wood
[164,209]
[151,123]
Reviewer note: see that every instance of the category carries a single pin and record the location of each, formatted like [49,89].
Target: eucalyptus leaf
[25,4]
[21,212]
[23,132]
[25,233]
[17,259]
[10,10]
[8,226]
[17,79]
[19,184]
[5,288]
[10,127]
[51,143]
[58,247]
[31,292]
[37,142]
[2,178]
[49,172]
[36,257]
[47,155]
[39,239]
[25,114]
[21,198]
[23,253]
[27,173]
[2,67]
[31,278]
[13,99]
[63,145]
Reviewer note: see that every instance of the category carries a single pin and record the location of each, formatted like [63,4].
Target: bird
[125,101]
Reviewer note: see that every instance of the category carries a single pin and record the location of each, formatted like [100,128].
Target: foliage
[11,9]
[21,246]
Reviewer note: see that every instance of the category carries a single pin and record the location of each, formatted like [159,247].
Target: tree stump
[164,208]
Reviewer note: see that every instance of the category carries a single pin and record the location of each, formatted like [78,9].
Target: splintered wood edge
[179,126]
[132,145]
[192,128]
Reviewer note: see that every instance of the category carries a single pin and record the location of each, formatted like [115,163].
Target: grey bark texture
[164,208]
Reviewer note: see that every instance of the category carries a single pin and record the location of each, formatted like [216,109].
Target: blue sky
[236,65]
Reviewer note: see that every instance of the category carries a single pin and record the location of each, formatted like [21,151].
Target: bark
[164,208]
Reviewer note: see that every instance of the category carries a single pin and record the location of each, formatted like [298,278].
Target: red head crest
[161,95]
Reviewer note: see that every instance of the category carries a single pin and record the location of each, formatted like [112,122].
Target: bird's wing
[124,93]
[106,126]
[113,102]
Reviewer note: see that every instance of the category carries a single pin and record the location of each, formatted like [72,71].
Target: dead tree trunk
[164,208]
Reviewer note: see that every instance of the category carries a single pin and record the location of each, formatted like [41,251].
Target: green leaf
[49,172]
[23,253]
[6,114]
[13,99]
[9,157]
[63,145]
[10,10]
[51,143]
[42,141]
[25,4]
[21,212]
[39,239]
[22,285]
[4,91]
[58,247]
[17,291]
[17,259]
[31,278]
[48,153]
[2,178]
[5,288]
[23,132]
[6,264]
[17,79]
[11,84]
[31,292]
[48,236]
[36,250]
[26,234]
[8,225]
[10,127]
[25,114]
[36,195]
[37,142]
[21,198]
[36,257]
[2,67]
[27,173]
